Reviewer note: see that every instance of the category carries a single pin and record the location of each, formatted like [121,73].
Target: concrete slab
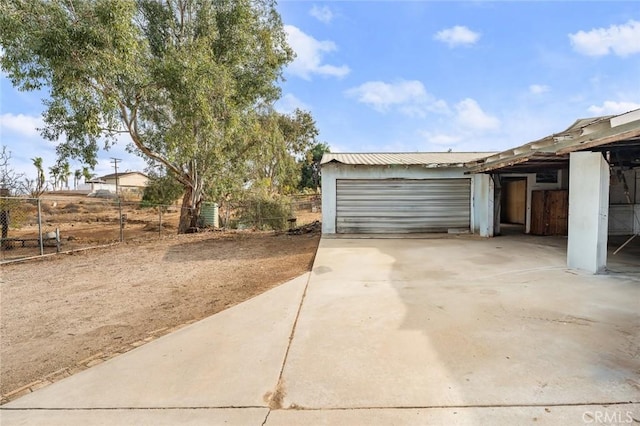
[155,417]
[391,331]
[552,416]
[437,323]
[232,359]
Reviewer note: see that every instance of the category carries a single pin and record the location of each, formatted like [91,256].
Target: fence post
[226,216]
[259,217]
[160,221]
[121,223]
[41,242]
[4,219]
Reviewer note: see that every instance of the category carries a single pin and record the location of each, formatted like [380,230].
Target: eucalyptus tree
[181,79]
[310,173]
[285,139]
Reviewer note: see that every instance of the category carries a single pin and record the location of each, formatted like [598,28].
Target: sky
[394,76]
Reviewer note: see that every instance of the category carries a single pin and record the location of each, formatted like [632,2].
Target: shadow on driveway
[462,322]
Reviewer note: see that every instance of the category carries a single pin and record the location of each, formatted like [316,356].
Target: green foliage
[310,170]
[285,138]
[77,175]
[54,172]
[265,212]
[183,78]
[86,173]
[162,188]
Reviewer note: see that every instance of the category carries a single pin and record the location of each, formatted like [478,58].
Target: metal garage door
[402,205]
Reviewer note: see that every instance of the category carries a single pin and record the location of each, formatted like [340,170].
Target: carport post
[588,211]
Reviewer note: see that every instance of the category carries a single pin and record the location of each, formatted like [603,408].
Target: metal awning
[619,133]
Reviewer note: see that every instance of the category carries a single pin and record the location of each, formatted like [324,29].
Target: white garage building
[404,193]
[594,164]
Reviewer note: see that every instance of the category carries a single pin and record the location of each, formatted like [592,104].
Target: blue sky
[427,76]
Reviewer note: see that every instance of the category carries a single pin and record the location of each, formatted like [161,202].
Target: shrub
[265,212]
[161,189]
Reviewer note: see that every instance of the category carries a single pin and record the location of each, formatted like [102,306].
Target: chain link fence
[51,224]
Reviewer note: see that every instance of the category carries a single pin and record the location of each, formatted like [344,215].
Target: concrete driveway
[386,331]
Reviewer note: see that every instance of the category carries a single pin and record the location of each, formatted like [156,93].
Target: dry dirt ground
[64,313]
[88,222]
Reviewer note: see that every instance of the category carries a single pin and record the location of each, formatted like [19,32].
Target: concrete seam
[225,407]
[240,407]
[293,331]
[266,417]
[431,407]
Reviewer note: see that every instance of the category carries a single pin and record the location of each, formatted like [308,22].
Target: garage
[402,205]
[401,193]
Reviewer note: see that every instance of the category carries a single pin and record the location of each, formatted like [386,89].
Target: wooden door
[514,206]
[550,212]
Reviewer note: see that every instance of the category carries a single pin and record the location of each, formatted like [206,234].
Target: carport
[597,160]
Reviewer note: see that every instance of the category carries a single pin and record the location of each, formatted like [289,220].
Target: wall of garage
[481,189]
[624,203]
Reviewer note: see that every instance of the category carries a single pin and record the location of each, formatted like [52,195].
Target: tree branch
[132,127]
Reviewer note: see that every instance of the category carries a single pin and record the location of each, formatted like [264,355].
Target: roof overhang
[620,134]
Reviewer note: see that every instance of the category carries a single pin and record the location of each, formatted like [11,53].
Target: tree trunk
[190,211]
[188,215]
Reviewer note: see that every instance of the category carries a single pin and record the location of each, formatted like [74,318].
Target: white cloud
[289,103]
[322,14]
[309,55]
[470,129]
[21,124]
[457,36]
[470,115]
[409,96]
[613,108]
[622,40]
[441,138]
[538,89]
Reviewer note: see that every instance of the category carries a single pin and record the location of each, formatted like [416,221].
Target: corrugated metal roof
[585,133]
[433,159]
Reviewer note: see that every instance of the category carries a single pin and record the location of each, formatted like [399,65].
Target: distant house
[126,181]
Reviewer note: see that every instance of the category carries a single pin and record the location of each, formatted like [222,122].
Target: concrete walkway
[393,331]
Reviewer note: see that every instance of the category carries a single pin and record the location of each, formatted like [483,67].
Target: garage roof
[618,133]
[428,159]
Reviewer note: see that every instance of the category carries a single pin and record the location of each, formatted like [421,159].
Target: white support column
[588,211]
[482,205]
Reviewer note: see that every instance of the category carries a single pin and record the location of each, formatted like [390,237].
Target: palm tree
[87,174]
[54,172]
[65,172]
[40,185]
[77,175]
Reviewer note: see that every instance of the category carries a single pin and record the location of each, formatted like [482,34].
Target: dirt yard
[88,222]
[65,313]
